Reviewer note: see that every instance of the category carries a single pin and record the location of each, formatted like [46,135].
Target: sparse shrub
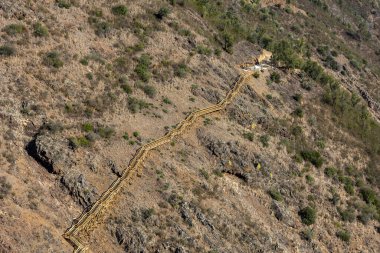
[297,130]
[369,196]
[314,157]
[204,174]
[149,90]
[309,179]
[204,50]
[297,97]
[127,88]
[135,105]
[14,29]
[256,74]
[63,4]
[307,234]
[298,112]
[264,139]
[52,59]
[146,213]
[7,51]
[40,30]
[275,194]
[77,142]
[142,68]
[102,28]
[167,101]
[306,85]
[5,187]
[90,76]
[105,132]
[330,172]
[344,235]
[84,61]
[162,13]
[119,10]
[275,77]
[248,135]
[87,127]
[227,41]
[348,185]
[180,69]
[308,215]
[347,215]
[368,213]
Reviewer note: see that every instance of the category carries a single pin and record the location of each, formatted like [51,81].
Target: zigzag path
[87,221]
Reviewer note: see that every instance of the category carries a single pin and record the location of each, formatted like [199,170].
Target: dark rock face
[233,158]
[133,239]
[82,192]
[212,96]
[282,214]
[51,152]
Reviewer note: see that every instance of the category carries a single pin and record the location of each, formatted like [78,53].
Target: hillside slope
[292,165]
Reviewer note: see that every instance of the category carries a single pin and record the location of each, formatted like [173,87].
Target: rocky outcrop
[81,191]
[132,238]
[232,157]
[282,214]
[212,96]
[51,152]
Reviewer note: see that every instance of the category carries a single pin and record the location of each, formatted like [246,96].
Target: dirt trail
[93,216]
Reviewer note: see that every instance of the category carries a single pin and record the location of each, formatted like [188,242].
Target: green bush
[344,235]
[256,74]
[285,54]
[162,13]
[308,215]
[314,157]
[135,105]
[275,194]
[119,10]
[127,88]
[330,172]
[298,112]
[248,135]
[7,51]
[347,215]
[88,127]
[275,77]
[14,29]
[77,142]
[349,185]
[142,68]
[180,69]
[63,4]
[368,213]
[167,101]
[40,30]
[5,187]
[264,139]
[369,196]
[102,28]
[204,50]
[309,179]
[52,59]
[149,90]
[105,132]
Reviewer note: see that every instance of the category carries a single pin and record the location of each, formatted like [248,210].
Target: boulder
[52,152]
[282,214]
[132,238]
[82,192]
